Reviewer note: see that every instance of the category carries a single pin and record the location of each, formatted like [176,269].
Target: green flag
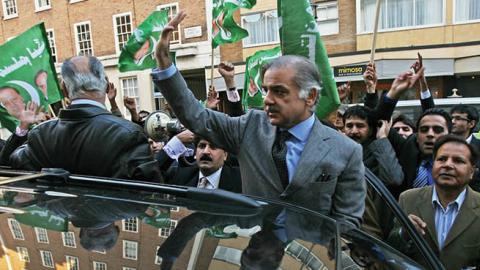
[224,27]
[253,93]
[138,53]
[299,35]
[27,73]
[158,217]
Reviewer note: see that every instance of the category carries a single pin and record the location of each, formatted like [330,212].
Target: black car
[56,220]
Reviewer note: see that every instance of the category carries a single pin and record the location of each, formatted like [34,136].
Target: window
[51,41]
[262,28]
[47,259]
[72,263]
[42,5]
[42,236]
[158,259]
[122,25]
[9,9]
[228,254]
[15,229]
[130,89]
[130,225]
[23,254]
[172,11]
[165,232]
[83,38]
[396,14]
[467,10]
[128,268]
[327,18]
[175,209]
[99,265]
[130,249]
[68,239]
[304,255]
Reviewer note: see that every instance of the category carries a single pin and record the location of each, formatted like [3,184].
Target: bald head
[84,77]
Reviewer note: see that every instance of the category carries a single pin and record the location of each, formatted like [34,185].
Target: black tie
[279,154]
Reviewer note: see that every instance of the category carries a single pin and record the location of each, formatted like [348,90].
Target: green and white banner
[27,73]
[139,52]
[253,94]
[299,35]
[224,27]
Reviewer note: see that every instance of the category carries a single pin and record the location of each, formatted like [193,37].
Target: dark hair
[440,112]
[472,113]
[450,138]
[364,113]
[404,119]
[99,239]
[198,138]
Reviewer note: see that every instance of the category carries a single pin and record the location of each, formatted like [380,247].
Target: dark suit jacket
[462,245]
[475,183]
[230,178]
[89,140]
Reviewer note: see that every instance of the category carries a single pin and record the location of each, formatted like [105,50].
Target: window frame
[136,97]
[337,19]
[454,16]
[96,263]
[39,233]
[359,21]
[10,225]
[115,29]
[23,251]
[163,235]
[46,252]
[11,16]
[158,259]
[38,8]
[64,239]
[265,29]
[124,223]
[53,48]
[125,242]
[77,44]
[68,266]
[168,5]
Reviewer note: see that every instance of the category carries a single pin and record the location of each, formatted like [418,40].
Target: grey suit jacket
[462,245]
[329,177]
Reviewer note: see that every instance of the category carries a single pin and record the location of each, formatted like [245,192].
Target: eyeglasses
[459,118]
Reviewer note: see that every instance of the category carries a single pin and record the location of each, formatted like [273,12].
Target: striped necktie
[424,172]
[203,182]
[279,155]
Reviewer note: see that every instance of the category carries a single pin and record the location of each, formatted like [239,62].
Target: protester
[209,171]
[403,125]
[446,214]
[87,139]
[328,177]
[370,79]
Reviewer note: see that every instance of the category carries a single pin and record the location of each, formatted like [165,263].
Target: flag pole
[51,110]
[211,71]
[375,31]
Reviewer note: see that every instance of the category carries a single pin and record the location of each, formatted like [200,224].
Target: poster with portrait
[27,73]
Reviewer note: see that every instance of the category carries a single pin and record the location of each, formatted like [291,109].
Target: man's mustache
[206,158]
[272,109]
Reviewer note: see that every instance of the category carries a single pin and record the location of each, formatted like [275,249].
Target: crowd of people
[283,151]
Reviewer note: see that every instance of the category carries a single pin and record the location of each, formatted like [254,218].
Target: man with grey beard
[86,138]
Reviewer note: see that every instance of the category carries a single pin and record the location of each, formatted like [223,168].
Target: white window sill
[8,17]
[43,9]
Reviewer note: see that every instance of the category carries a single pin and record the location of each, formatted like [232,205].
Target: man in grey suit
[284,152]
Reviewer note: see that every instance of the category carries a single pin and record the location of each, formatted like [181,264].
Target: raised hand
[403,82]
[370,78]
[162,50]
[31,115]
[212,98]
[186,136]
[343,91]
[111,91]
[383,129]
[227,70]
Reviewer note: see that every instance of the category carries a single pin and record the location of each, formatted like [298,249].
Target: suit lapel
[427,212]
[316,149]
[465,217]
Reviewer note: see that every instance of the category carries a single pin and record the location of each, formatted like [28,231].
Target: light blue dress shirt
[88,102]
[444,218]
[296,143]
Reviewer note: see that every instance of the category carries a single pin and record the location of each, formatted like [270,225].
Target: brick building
[100,28]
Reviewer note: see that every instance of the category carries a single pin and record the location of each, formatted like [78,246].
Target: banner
[224,27]
[253,94]
[139,52]
[36,216]
[27,73]
[299,35]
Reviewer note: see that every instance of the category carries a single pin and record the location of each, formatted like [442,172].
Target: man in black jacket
[86,138]
[210,170]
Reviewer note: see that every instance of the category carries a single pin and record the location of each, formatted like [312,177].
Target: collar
[303,129]
[213,179]
[88,102]
[469,139]
[459,200]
